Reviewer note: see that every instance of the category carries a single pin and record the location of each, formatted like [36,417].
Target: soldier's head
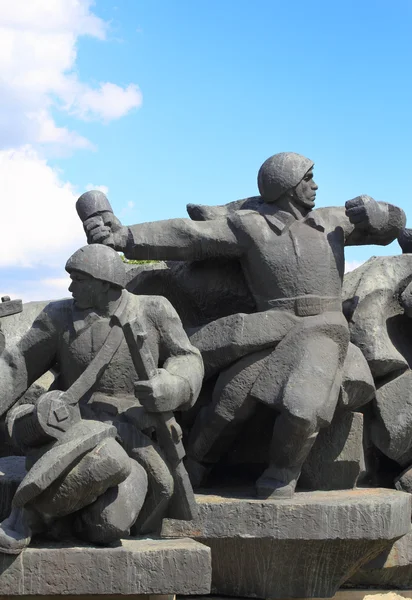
[98,275]
[288,175]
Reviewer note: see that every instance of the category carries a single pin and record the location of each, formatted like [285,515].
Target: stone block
[392,568]
[306,547]
[135,566]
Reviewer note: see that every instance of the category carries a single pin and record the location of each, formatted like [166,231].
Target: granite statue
[378,302]
[103,449]
[289,351]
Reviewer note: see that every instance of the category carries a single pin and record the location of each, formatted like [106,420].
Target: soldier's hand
[106,229]
[363,211]
[160,393]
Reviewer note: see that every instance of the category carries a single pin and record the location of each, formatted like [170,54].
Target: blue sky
[165,102]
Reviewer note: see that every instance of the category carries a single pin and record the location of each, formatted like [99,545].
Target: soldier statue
[292,257]
[103,449]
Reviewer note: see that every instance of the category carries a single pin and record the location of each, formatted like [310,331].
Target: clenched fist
[106,229]
[364,212]
[162,393]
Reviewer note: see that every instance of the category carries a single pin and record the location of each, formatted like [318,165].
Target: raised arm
[174,239]
[366,221]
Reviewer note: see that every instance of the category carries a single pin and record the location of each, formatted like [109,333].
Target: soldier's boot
[15,532]
[291,443]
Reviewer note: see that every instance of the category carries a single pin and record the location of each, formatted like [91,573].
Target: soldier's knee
[303,418]
[112,515]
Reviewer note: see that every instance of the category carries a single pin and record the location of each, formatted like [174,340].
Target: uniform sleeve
[182,239]
[178,356]
[386,222]
[22,364]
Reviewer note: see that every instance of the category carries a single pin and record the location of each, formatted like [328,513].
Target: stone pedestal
[306,547]
[134,567]
[391,569]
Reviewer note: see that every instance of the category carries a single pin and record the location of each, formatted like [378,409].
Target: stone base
[306,547]
[392,568]
[134,567]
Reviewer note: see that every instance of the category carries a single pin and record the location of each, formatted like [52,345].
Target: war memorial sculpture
[237,413]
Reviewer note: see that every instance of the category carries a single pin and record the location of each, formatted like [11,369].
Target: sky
[164,102]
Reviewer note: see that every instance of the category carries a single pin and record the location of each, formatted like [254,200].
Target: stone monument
[241,364]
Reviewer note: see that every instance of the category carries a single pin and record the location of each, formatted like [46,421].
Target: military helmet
[280,173]
[100,262]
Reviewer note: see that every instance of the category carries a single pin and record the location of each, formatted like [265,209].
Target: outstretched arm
[366,221]
[174,239]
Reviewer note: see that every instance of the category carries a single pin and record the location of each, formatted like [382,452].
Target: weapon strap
[101,361]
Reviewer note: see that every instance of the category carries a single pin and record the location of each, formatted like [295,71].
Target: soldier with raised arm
[293,260]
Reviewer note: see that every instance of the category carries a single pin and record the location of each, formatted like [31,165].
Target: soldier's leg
[160,480]
[217,425]
[112,515]
[102,468]
[306,374]
[105,466]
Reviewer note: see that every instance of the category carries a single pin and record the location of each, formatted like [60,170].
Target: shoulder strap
[101,361]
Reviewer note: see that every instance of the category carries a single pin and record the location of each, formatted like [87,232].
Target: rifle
[168,431]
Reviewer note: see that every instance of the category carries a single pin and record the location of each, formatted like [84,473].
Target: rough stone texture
[377,323]
[391,428]
[135,566]
[336,460]
[304,547]
[14,326]
[392,568]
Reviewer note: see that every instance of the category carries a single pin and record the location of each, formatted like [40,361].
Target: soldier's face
[85,290]
[305,191]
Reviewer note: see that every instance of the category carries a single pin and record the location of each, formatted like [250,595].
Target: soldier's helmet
[280,173]
[100,262]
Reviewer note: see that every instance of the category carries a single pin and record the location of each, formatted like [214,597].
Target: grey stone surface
[391,427]
[10,307]
[336,460]
[135,566]
[377,323]
[304,547]
[390,569]
[292,259]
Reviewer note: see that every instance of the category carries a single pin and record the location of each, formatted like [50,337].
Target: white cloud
[29,290]
[38,54]
[351,265]
[41,223]
[100,188]
[107,102]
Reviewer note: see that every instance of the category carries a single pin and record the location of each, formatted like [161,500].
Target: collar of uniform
[280,221]
[82,319]
[315,221]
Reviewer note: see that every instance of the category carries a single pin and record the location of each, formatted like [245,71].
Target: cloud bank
[38,83]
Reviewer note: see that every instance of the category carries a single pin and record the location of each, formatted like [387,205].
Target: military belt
[306,306]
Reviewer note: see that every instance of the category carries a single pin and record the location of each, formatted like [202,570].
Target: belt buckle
[308,306]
